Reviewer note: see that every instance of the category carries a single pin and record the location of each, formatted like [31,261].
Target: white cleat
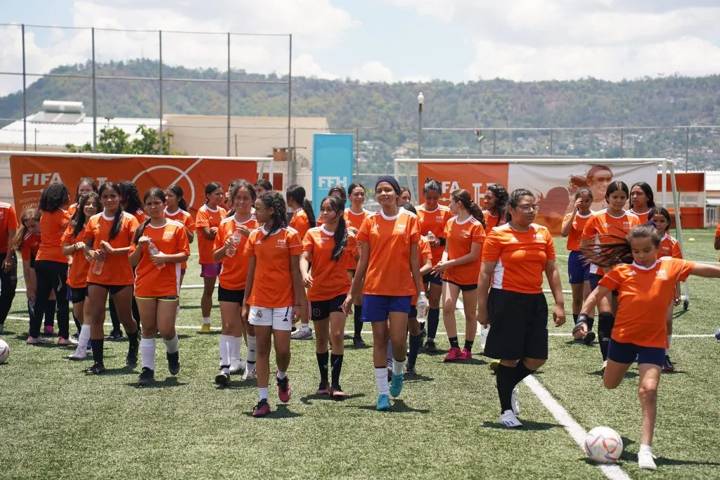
[237,367]
[249,373]
[302,333]
[646,460]
[515,402]
[509,420]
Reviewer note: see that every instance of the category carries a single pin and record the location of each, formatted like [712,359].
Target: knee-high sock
[322,361]
[234,346]
[97,349]
[433,319]
[415,341]
[357,320]
[147,353]
[336,362]
[251,349]
[225,352]
[605,324]
[172,345]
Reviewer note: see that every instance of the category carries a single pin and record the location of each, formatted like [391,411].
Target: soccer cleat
[668,366]
[146,378]
[249,373]
[223,378]
[509,420]
[302,333]
[48,331]
[173,362]
[77,356]
[204,328]
[237,367]
[323,389]
[604,366]
[453,355]
[466,354]
[96,369]
[115,336]
[383,403]
[284,390]
[33,340]
[358,342]
[410,372]
[589,338]
[646,460]
[63,342]
[396,385]
[337,393]
[515,401]
[430,347]
[261,409]
[493,365]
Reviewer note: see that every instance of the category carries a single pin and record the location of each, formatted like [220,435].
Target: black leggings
[8,283]
[51,276]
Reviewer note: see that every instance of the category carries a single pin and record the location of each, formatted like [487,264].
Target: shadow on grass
[350,346]
[528,425]
[282,411]
[238,385]
[628,374]
[169,382]
[398,406]
[309,399]
[111,372]
[210,333]
[417,377]
[679,314]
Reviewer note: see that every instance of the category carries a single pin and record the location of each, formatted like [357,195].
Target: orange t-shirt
[186,219]
[576,230]
[272,281]
[52,227]
[520,257]
[300,222]
[353,219]
[433,221]
[330,277]
[79,266]
[424,255]
[643,217]
[139,216]
[491,221]
[642,293]
[116,269]
[151,281]
[234,269]
[29,246]
[605,228]
[669,247]
[8,221]
[460,237]
[72,209]
[389,238]
[207,217]
[717,230]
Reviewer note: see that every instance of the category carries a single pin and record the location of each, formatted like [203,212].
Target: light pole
[420,100]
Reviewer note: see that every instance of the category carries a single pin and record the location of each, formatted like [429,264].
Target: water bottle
[422,307]
[430,237]
[234,242]
[154,250]
[484,330]
[98,264]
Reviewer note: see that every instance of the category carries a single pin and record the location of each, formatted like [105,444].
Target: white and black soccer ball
[4,351]
[603,445]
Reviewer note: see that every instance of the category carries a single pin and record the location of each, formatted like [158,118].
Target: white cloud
[372,71]
[305,65]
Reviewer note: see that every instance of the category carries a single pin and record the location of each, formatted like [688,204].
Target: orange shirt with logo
[8,221]
[234,269]
[272,281]
[151,281]
[576,230]
[389,238]
[52,227]
[79,266]
[642,293]
[520,257]
[330,277]
[186,219]
[669,247]
[116,268]
[300,222]
[605,228]
[29,246]
[353,219]
[433,221]
[207,218]
[460,238]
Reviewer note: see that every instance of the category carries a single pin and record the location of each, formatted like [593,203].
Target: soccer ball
[4,351]
[603,444]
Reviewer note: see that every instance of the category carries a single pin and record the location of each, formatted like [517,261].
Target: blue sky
[384,40]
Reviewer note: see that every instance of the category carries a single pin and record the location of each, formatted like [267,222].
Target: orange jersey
[273,282]
[139,216]
[643,217]
[353,219]
[300,222]
[669,247]
[72,209]
[29,246]
[643,292]
[424,255]
[460,238]
[207,218]
[116,269]
[717,231]
[520,257]
[234,269]
[330,277]
[491,221]
[151,281]
[8,221]
[576,230]
[52,227]
[389,238]
[605,228]
[433,221]
[79,266]
[186,219]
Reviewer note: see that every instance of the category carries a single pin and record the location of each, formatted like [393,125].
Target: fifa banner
[554,184]
[31,173]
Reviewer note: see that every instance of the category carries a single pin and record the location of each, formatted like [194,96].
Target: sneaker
[383,403]
[147,377]
[77,356]
[33,340]
[173,362]
[509,420]
[115,336]
[48,331]
[358,342]
[237,367]
[396,385]
[63,342]
[410,372]
[589,338]
[646,460]
[466,354]
[204,328]
[337,393]
[96,369]
[453,355]
[668,366]
[430,347]
[302,333]
[222,379]
[322,389]
[515,401]
[284,390]
[261,409]
[250,373]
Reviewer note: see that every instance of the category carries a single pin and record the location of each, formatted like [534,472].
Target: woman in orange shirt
[301,218]
[229,249]
[388,274]
[74,246]
[109,236]
[8,268]
[274,288]
[354,217]
[161,247]
[645,287]
[460,267]
[642,200]
[27,240]
[207,222]
[85,186]
[51,265]
[176,209]
[496,199]
[330,250]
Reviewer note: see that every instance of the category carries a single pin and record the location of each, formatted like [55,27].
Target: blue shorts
[577,270]
[629,353]
[377,308]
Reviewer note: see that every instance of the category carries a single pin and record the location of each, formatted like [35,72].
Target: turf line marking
[578,433]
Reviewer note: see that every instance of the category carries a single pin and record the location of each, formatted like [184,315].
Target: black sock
[415,341]
[575,318]
[336,362]
[357,320]
[605,324]
[454,342]
[322,361]
[77,323]
[433,319]
[97,349]
[590,323]
[50,312]
[469,344]
[505,381]
[521,371]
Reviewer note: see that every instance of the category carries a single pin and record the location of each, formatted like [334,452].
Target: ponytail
[296,193]
[27,214]
[340,235]
[278,219]
[307,206]
[462,196]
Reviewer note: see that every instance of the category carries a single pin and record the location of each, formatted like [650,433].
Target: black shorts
[112,289]
[432,278]
[78,295]
[519,325]
[463,288]
[320,310]
[235,296]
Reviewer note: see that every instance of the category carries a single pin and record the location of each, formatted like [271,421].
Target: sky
[379,40]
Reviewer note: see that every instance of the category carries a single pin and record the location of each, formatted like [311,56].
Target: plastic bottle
[154,250]
[484,330]
[235,241]
[422,307]
[98,264]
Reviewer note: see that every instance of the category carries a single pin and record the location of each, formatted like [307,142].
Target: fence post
[94,90]
[227,139]
[160,88]
[24,90]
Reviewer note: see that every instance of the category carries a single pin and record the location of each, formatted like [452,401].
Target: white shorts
[278,318]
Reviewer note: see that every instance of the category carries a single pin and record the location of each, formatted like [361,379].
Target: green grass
[58,422]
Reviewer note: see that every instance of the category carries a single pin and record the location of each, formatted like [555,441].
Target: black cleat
[430,347]
[173,362]
[96,369]
[147,377]
[132,355]
[589,338]
[115,337]
[222,379]
[358,342]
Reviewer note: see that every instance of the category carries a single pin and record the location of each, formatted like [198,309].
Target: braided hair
[278,219]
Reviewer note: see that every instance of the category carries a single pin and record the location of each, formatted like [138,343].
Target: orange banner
[473,177]
[31,173]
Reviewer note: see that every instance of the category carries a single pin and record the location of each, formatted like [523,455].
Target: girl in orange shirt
[496,199]
[207,222]
[274,287]
[109,236]
[405,196]
[27,240]
[85,186]
[74,246]
[460,267]
[176,209]
[51,265]
[645,287]
[354,217]
[161,247]
[330,251]
[642,201]
[302,218]
[229,249]
[388,273]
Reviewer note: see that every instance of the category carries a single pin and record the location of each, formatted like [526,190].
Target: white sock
[234,346]
[147,352]
[281,374]
[206,320]
[251,349]
[645,448]
[305,326]
[83,339]
[398,367]
[225,350]
[172,345]
[262,393]
[381,381]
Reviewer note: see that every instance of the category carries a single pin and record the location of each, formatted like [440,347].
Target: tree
[116,140]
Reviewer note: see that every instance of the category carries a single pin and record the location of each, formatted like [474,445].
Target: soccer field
[57,422]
